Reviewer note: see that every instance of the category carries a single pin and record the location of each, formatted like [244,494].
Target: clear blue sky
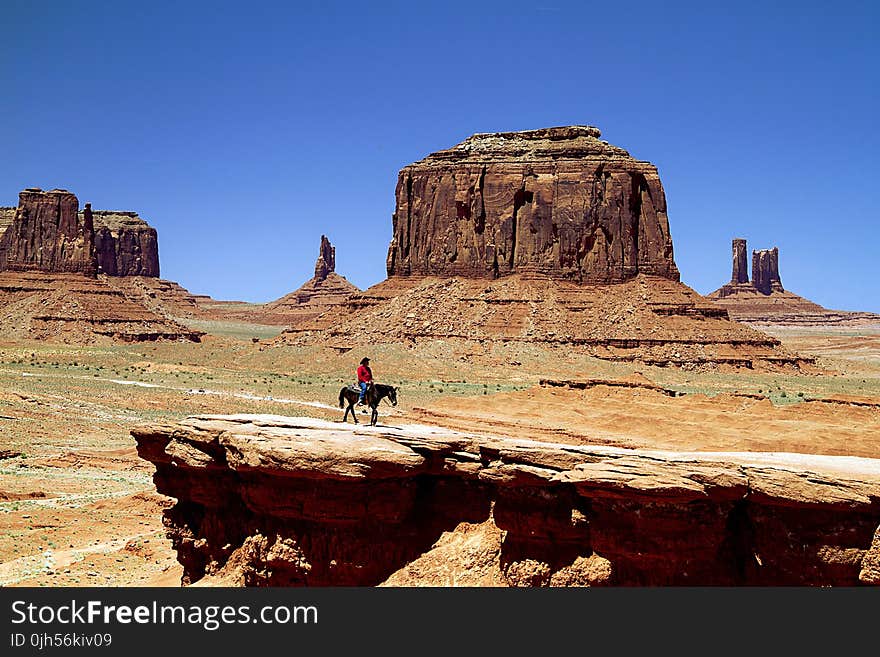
[243,131]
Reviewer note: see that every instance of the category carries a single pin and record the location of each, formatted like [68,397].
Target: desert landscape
[569,412]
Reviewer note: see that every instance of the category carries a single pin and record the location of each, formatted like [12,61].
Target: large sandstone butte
[557,201]
[270,500]
[47,232]
[548,237]
[762,300]
[84,276]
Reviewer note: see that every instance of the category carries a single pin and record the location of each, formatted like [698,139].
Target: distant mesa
[84,276]
[763,300]
[47,232]
[549,237]
[556,201]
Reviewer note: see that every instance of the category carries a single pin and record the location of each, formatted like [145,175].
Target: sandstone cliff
[275,500]
[125,244]
[558,201]
[765,271]
[47,233]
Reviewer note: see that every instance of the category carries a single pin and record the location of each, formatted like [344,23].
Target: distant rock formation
[326,290]
[51,254]
[125,244]
[763,300]
[326,263]
[514,238]
[765,271]
[555,201]
[740,264]
[48,233]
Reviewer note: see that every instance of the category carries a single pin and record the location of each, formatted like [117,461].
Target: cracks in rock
[520,198]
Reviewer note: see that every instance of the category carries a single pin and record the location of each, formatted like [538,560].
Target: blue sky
[243,131]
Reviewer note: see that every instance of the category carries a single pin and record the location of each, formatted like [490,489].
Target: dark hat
[364,361]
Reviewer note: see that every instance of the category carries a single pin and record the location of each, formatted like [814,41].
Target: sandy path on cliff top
[645,418]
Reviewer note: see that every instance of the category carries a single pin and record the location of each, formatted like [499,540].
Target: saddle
[355,389]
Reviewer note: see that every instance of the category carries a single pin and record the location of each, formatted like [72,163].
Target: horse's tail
[342,398]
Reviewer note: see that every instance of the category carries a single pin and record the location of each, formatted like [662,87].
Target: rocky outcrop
[556,201]
[765,271]
[72,308]
[740,264]
[125,244]
[298,501]
[47,233]
[326,290]
[763,301]
[326,262]
[47,244]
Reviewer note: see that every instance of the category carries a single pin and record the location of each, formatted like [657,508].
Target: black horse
[375,393]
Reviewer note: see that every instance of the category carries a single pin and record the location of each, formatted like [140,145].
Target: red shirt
[365,374]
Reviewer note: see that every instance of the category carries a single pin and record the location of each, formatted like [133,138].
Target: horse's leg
[353,412]
[374,416]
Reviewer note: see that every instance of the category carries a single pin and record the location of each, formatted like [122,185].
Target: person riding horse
[376,393]
[365,379]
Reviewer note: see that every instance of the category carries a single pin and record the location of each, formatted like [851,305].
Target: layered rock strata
[648,319]
[557,201]
[298,501]
[69,307]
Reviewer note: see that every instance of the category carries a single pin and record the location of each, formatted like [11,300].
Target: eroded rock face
[296,501]
[740,264]
[765,271]
[326,261]
[125,244]
[558,201]
[47,234]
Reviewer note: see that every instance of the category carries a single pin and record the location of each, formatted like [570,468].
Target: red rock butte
[549,237]
[762,299]
[47,232]
[84,276]
[556,201]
